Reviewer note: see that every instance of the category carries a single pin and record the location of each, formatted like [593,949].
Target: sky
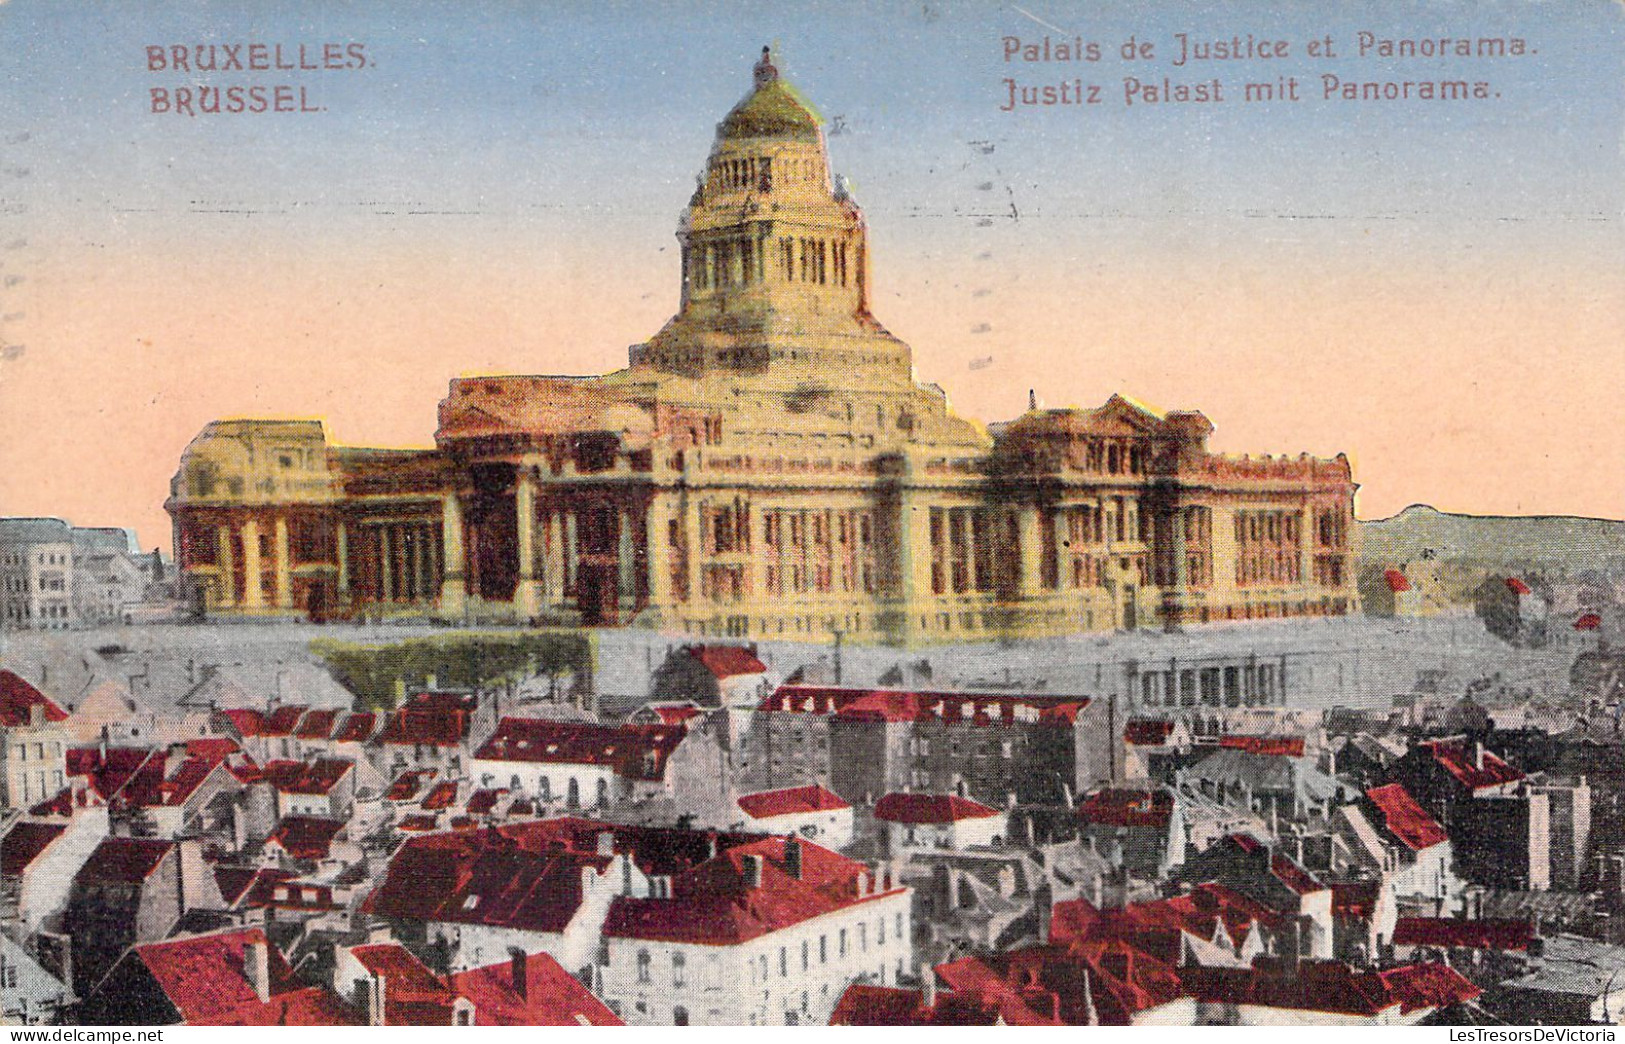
[1430,286]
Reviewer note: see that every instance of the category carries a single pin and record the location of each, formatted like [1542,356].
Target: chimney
[1478,756]
[928,982]
[518,965]
[606,843]
[792,857]
[752,866]
[257,967]
[375,1001]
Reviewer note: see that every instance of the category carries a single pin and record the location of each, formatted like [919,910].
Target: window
[823,949]
[679,971]
[843,942]
[643,965]
[805,962]
[679,1016]
[784,961]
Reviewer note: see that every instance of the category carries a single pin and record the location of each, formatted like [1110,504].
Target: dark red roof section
[283,720]
[1147,732]
[727,661]
[1460,759]
[315,777]
[24,844]
[1405,819]
[1517,586]
[409,784]
[444,701]
[433,727]
[247,721]
[317,725]
[791,801]
[124,860]
[1278,746]
[356,727]
[930,808]
[1588,622]
[1454,933]
[413,996]
[633,751]
[441,795]
[897,705]
[306,837]
[483,801]
[864,1005]
[18,698]
[1398,582]
[1115,806]
[1330,986]
[1355,900]
[714,903]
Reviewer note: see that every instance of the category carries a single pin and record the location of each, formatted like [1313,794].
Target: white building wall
[762,982]
[49,878]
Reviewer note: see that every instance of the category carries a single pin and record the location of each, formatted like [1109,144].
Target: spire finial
[765,72]
[1032,399]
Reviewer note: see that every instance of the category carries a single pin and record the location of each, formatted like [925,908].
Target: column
[386,567]
[253,593]
[658,550]
[223,556]
[692,552]
[344,562]
[453,575]
[1032,551]
[1173,596]
[553,557]
[527,593]
[571,548]
[624,554]
[420,564]
[1306,549]
[284,575]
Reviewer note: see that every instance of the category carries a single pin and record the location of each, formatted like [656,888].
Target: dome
[773,109]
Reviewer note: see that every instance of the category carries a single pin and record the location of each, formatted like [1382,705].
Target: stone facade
[765,466]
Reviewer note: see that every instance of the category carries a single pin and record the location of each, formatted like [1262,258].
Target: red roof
[1454,933]
[444,701]
[633,751]
[1418,986]
[246,721]
[306,837]
[441,795]
[1517,586]
[864,1005]
[307,777]
[1588,622]
[24,844]
[1330,986]
[418,823]
[407,785]
[1147,732]
[727,661]
[1397,581]
[673,713]
[1198,912]
[1356,900]
[434,727]
[930,808]
[1405,819]
[790,802]
[18,698]
[1459,758]
[551,997]
[413,996]
[1279,746]
[483,801]
[1125,808]
[1121,980]
[355,727]
[713,903]
[317,725]
[124,860]
[896,705]
[248,883]
[283,720]
[205,979]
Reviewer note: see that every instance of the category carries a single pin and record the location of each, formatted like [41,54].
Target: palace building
[765,466]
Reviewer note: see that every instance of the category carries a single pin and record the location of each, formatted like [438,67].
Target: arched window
[603,792]
[643,963]
[572,794]
[545,788]
[679,971]
[679,1016]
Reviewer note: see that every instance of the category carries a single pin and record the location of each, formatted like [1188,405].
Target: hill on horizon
[1566,543]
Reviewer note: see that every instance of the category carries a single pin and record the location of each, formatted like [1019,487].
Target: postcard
[914,514]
